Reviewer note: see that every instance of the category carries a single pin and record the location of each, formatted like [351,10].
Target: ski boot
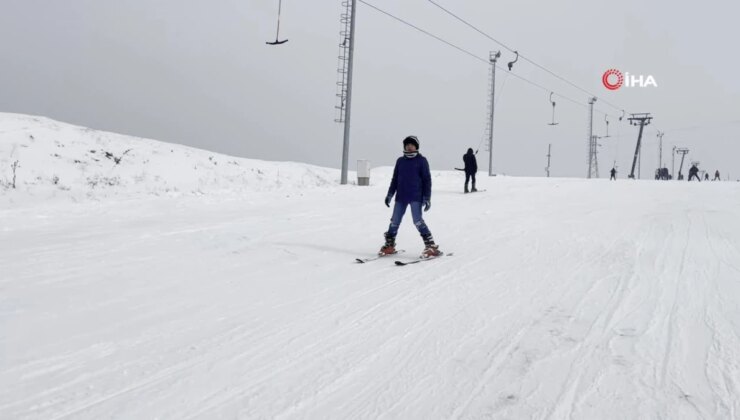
[390,245]
[431,249]
[474,189]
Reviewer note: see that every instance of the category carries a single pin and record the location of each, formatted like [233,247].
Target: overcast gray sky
[199,73]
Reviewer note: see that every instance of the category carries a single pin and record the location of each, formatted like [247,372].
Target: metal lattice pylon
[493,57]
[489,107]
[593,157]
[593,164]
[343,64]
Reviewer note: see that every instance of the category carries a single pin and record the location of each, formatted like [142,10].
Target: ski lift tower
[660,149]
[492,58]
[593,165]
[643,120]
[344,84]
[681,151]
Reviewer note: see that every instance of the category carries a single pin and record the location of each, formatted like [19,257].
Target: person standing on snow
[614,174]
[412,186]
[471,167]
[716,176]
[694,172]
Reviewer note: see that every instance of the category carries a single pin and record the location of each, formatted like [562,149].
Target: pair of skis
[401,263]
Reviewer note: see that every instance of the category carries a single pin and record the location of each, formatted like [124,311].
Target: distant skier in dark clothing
[471,167]
[706,176]
[694,173]
[412,186]
[614,174]
[716,176]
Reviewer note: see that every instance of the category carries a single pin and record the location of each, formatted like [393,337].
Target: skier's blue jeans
[399,209]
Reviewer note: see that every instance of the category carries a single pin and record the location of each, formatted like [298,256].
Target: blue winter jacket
[412,180]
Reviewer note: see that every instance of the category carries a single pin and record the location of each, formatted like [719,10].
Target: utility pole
[549,146]
[673,162]
[593,168]
[493,57]
[344,85]
[643,120]
[660,149]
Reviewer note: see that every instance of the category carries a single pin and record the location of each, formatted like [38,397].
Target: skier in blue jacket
[412,186]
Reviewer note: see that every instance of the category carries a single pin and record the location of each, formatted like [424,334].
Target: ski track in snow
[565,299]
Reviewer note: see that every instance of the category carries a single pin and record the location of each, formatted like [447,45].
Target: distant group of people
[693,173]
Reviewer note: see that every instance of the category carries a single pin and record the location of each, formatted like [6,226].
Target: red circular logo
[608,84]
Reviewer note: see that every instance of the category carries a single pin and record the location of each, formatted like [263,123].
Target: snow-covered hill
[60,160]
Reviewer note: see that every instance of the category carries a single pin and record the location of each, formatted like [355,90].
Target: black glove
[388,201]
[427,205]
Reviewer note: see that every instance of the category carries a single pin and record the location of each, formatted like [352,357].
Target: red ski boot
[430,248]
[389,247]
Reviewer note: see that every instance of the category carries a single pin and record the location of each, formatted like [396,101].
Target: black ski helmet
[411,140]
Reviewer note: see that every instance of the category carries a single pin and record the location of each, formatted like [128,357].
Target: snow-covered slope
[565,299]
[66,161]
